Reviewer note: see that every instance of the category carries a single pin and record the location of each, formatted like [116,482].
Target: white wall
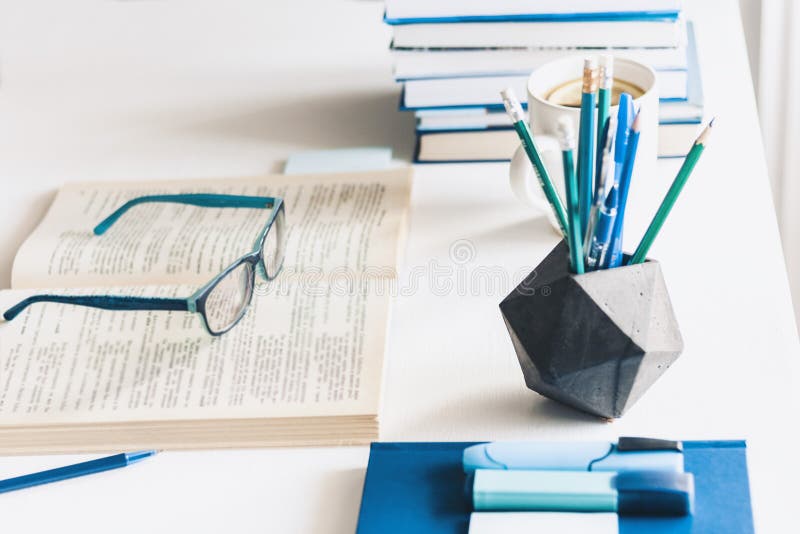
[772,31]
[751,19]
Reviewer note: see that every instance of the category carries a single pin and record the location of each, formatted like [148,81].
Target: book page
[336,223]
[301,350]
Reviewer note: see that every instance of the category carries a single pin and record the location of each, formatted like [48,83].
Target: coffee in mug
[569,93]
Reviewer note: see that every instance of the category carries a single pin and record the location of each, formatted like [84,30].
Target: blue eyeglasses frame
[197,301]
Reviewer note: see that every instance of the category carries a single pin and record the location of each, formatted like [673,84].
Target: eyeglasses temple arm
[205,200]
[101,301]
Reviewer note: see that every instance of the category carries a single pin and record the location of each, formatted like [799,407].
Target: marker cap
[655,493]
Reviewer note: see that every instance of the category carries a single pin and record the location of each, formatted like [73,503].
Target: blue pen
[604,227]
[586,141]
[607,141]
[615,259]
[73,471]
[605,183]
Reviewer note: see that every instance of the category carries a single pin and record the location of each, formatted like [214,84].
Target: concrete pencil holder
[594,341]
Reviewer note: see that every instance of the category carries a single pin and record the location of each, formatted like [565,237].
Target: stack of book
[454,57]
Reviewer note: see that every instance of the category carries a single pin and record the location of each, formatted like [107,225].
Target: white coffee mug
[544,116]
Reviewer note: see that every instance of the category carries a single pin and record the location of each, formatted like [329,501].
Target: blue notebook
[419,488]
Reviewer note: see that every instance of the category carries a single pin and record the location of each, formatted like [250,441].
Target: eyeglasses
[223,301]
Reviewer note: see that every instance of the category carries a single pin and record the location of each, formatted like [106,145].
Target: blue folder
[419,488]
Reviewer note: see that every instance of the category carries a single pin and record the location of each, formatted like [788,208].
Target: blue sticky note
[339,160]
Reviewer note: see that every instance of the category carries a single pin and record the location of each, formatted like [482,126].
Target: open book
[303,367]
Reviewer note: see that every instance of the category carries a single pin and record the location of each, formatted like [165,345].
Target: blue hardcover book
[425,11]
[466,96]
[484,91]
[680,89]
[689,111]
[419,488]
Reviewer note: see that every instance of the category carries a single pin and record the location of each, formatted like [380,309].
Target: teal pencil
[566,135]
[672,195]
[586,141]
[514,110]
[606,83]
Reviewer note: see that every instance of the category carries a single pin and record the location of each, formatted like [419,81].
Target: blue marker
[647,493]
[73,471]
[628,454]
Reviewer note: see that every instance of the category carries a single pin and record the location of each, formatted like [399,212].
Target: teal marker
[653,493]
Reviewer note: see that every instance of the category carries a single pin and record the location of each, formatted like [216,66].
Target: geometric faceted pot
[594,341]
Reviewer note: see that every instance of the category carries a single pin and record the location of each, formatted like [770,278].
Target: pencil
[514,110]
[606,82]
[626,173]
[672,195]
[566,134]
[586,141]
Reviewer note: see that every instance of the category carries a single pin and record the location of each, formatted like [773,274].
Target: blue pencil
[624,122]
[625,117]
[586,141]
[615,259]
[73,471]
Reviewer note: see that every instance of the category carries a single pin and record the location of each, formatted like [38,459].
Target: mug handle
[526,186]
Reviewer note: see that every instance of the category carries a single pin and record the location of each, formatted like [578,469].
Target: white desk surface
[158,89]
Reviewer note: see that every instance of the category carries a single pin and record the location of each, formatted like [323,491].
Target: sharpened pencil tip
[637,121]
[133,457]
[702,139]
